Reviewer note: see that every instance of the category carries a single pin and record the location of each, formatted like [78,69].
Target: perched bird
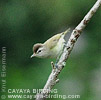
[52,48]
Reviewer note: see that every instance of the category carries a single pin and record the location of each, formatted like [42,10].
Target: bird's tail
[65,32]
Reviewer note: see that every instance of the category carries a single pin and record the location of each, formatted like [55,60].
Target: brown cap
[36,47]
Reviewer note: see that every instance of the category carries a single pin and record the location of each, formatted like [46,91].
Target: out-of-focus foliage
[26,22]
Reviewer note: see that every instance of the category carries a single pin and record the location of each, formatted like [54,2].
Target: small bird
[52,48]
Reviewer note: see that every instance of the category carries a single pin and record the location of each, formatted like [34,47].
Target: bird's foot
[56,66]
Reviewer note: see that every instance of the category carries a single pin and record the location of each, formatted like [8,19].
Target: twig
[52,80]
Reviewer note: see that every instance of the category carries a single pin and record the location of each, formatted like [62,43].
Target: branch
[52,80]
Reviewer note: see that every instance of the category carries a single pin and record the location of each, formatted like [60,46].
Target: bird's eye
[39,51]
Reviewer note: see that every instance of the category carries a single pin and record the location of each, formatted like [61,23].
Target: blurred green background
[26,22]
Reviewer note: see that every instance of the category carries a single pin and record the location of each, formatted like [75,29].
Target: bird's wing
[52,42]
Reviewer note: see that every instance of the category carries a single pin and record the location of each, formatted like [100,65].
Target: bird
[52,48]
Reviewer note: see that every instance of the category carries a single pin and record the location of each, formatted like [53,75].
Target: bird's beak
[33,55]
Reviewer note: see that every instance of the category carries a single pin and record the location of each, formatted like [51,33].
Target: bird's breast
[57,50]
